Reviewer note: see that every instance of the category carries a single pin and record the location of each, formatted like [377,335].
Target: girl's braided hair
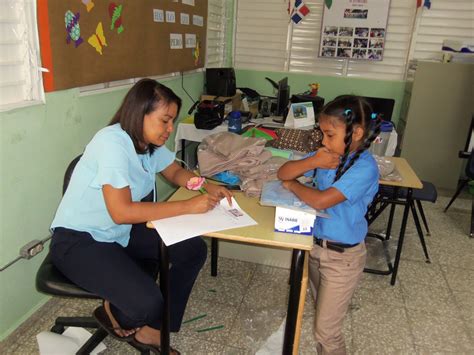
[353,110]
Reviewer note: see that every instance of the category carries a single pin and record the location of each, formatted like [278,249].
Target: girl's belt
[339,247]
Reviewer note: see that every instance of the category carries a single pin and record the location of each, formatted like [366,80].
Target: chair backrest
[68,173]
[50,280]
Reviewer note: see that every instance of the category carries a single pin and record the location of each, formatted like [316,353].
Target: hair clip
[374,116]
[347,112]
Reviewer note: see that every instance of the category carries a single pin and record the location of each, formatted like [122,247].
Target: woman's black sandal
[101,316]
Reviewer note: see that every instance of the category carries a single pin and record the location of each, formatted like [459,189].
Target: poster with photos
[354,29]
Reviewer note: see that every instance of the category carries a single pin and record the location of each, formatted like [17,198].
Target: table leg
[165,285]
[293,302]
[388,232]
[471,233]
[299,318]
[214,255]
[402,235]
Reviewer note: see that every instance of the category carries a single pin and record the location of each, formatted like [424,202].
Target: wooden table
[409,181]
[262,234]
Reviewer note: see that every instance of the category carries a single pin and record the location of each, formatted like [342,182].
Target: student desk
[409,181]
[262,234]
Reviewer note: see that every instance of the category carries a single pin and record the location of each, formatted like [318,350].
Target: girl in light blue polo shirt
[347,180]
[100,239]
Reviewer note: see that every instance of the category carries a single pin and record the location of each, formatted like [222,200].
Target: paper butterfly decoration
[73,29]
[115,13]
[97,40]
[89,4]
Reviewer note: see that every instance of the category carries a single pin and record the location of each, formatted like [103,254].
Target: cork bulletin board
[86,42]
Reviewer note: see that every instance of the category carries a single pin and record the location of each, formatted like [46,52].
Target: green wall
[330,86]
[36,145]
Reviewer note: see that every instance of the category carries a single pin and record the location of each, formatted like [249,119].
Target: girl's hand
[219,191]
[202,203]
[326,159]
[288,183]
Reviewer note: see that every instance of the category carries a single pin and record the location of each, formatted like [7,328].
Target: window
[446,20]
[265,39]
[261,35]
[20,75]
[217,19]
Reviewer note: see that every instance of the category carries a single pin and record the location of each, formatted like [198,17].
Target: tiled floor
[430,310]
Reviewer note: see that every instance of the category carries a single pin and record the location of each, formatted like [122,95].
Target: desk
[262,234]
[186,131]
[409,181]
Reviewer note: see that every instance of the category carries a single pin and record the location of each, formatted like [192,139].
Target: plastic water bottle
[235,122]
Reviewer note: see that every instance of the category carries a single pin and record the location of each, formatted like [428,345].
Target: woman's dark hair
[143,98]
[353,110]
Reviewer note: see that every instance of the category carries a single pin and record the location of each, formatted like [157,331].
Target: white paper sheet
[67,343]
[176,229]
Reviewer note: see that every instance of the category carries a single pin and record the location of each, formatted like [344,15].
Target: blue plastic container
[235,122]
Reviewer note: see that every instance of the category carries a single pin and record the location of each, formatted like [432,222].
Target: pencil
[210,328]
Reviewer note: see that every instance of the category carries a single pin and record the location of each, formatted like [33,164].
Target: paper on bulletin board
[190,40]
[300,114]
[354,29]
[176,41]
[224,216]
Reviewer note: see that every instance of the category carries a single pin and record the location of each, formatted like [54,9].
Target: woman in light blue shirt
[100,240]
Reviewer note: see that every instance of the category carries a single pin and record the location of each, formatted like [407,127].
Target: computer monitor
[283,97]
[382,106]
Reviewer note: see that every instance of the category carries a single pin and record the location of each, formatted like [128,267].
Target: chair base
[83,322]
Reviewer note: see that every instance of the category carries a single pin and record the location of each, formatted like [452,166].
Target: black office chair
[470,176]
[50,281]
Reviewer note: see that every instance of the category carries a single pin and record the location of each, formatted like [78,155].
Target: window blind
[447,19]
[20,79]
[261,35]
[305,39]
[216,33]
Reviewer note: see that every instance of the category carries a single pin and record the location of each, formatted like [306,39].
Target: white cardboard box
[294,221]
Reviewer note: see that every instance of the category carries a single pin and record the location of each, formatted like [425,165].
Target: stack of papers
[224,216]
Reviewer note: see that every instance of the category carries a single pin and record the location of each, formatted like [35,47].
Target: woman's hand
[202,203]
[219,191]
[325,159]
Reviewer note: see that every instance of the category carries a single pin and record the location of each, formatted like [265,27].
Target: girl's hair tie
[347,112]
[374,116]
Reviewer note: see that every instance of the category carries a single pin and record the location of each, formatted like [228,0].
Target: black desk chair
[50,281]
[470,176]
[427,193]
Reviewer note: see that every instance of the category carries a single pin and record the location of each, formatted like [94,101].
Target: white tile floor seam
[430,309]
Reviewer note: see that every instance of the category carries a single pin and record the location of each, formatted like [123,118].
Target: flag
[328,3]
[426,3]
[299,11]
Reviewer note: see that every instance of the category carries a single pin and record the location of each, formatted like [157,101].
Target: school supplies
[291,215]
[224,216]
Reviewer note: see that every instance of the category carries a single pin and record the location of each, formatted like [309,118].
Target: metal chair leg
[420,232]
[458,191]
[423,218]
